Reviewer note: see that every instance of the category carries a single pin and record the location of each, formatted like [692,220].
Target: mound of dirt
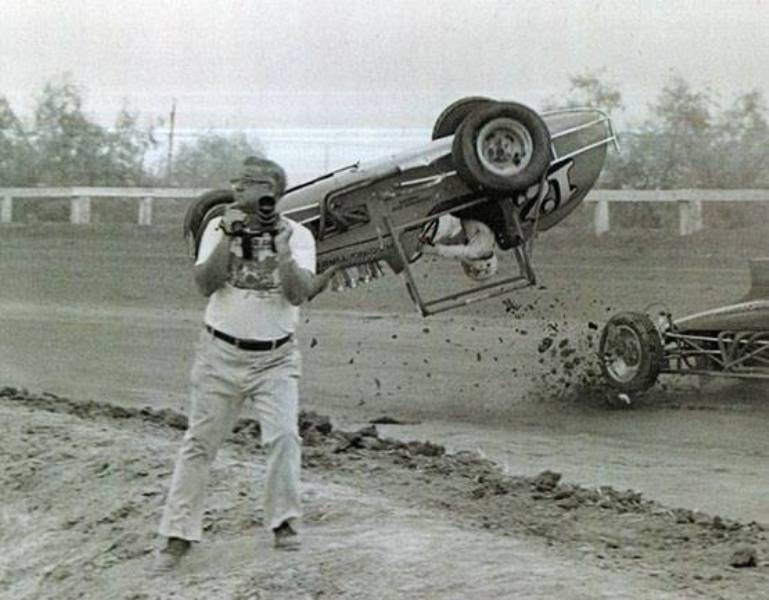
[83,485]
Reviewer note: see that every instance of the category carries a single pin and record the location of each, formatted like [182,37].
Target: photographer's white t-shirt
[251,304]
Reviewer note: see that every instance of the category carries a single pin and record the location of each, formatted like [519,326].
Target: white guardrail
[80,199]
[689,201]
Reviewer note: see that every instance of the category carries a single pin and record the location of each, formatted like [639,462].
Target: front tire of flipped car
[630,352]
[503,147]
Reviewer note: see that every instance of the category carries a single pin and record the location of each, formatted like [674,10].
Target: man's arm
[212,271]
[457,251]
[211,274]
[297,283]
[320,282]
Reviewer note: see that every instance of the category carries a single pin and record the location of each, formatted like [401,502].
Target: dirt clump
[744,557]
[546,481]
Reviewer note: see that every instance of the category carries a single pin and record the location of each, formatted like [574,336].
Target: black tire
[631,352]
[452,116]
[200,212]
[504,148]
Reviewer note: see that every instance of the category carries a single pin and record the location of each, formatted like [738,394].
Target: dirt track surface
[384,519]
[681,446]
[112,316]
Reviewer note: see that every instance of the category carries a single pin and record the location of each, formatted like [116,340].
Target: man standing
[256,268]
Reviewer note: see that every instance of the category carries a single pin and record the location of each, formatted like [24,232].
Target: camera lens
[266,211]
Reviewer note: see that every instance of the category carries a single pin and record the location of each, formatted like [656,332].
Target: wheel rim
[504,146]
[623,353]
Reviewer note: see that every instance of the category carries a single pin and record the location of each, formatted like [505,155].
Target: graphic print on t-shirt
[258,273]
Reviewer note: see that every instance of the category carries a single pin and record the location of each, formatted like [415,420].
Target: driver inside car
[467,240]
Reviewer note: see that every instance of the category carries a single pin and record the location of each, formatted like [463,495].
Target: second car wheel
[631,352]
[503,147]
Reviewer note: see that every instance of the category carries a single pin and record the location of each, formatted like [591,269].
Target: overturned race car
[501,163]
[728,341]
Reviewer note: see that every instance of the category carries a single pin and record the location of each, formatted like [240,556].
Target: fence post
[690,216]
[145,211]
[601,217]
[759,279]
[80,210]
[6,209]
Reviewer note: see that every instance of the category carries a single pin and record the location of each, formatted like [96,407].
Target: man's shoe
[171,554]
[286,538]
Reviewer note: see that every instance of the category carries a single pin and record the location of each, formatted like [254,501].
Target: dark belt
[248,344]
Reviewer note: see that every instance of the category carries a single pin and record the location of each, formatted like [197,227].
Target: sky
[370,63]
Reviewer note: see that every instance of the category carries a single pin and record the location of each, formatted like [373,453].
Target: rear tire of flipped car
[452,116]
[502,148]
[631,352]
[200,211]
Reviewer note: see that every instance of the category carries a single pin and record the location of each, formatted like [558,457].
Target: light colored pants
[223,376]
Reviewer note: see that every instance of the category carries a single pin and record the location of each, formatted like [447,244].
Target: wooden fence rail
[80,199]
[689,201]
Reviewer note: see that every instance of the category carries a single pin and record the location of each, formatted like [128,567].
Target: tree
[684,127]
[212,161]
[635,166]
[73,150]
[127,145]
[17,156]
[70,148]
[690,142]
[589,90]
[672,149]
[739,145]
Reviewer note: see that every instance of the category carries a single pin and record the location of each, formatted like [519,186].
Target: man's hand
[231,216]
[282,246]
[320,282]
